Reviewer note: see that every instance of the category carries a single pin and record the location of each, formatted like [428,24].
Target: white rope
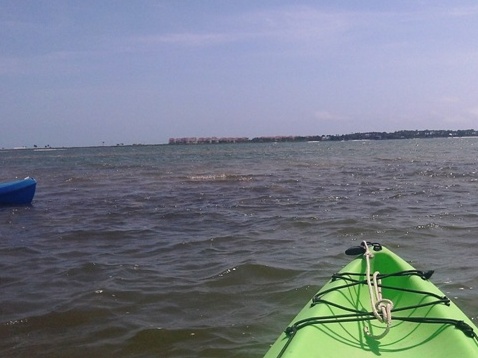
[381,307]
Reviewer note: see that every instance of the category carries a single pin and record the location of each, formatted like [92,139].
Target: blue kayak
[18,192]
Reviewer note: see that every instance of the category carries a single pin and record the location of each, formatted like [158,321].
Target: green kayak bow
[378,306]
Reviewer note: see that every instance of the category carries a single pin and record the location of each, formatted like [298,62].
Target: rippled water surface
[210,251]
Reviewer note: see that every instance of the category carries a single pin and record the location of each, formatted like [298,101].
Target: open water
[211,250]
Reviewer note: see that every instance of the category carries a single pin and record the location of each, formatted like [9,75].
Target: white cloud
[449,100]
[292,25]
[11,66]
[327,116]
[187,39]
[473,112]
[461,11]
[301,24]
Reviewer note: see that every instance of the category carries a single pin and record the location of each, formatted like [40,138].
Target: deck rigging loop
[381,307]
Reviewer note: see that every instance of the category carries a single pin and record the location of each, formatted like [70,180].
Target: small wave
[160,339]
[48,149]
[194,342]
[428,226]
[219,177]
[254,274]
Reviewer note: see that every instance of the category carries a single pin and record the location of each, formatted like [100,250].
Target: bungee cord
[381,307]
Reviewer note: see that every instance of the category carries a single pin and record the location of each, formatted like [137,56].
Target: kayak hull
[334,324]
[18,192]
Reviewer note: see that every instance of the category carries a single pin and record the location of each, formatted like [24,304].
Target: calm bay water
[210,251]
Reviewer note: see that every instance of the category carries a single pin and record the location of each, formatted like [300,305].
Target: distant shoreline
[403,134]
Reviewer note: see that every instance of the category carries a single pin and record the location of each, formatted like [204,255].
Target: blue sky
[81,73]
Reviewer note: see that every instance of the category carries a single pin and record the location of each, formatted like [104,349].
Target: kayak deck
[339,322]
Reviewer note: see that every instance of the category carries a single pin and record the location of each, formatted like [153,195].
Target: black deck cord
[368,316]
[425,275]
[444,300]
[292,330]
[461,325]
[352,282]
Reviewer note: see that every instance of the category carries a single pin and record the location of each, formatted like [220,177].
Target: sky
[86,73]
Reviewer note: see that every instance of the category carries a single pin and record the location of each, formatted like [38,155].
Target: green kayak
[378,306]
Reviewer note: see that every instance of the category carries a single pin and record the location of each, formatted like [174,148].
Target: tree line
[403,134]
